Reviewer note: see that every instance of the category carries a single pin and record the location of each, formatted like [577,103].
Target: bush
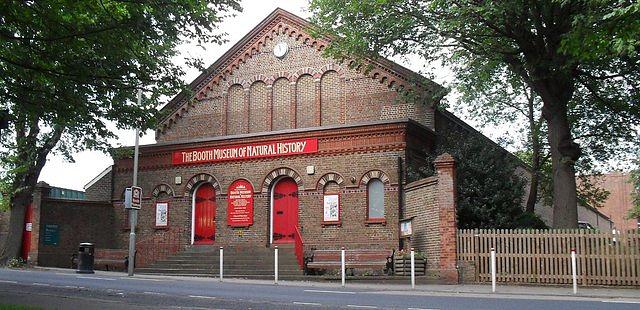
[16,262]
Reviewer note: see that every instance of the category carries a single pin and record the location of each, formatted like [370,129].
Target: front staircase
[239,262]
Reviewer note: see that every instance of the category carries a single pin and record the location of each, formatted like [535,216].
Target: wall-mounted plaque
[240,204]
[51,234]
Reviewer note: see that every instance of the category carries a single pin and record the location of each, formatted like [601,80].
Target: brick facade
[364,130]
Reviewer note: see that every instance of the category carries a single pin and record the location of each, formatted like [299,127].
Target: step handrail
[299,247]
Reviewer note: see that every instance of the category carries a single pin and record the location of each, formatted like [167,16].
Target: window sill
[382,222]
[333,223]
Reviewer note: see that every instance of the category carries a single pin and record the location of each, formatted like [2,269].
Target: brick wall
[78,221]
[100,190]
[431,204]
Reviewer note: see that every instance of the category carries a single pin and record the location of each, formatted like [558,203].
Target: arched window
[375,200]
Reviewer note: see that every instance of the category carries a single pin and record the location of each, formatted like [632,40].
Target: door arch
[284,210]
[203,223]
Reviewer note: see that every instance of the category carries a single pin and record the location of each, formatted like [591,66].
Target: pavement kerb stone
[473,290]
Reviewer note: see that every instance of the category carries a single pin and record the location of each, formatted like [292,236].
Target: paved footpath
[53,288]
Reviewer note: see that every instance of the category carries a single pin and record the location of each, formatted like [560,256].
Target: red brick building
[275,140]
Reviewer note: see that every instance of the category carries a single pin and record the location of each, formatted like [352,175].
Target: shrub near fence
[544,256]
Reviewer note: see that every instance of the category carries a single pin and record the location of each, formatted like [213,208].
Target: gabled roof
[279,22]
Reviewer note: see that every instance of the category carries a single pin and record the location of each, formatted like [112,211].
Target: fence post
[413,268]
[276,265]
[221,262]
[574,271]
[342,267]
[493,270]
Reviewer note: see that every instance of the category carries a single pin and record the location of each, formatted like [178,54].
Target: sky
[88,164]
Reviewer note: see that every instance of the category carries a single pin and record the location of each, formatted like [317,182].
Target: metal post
[413,268]
[574,271]
[133,214]
[276,265]
[221,262]
[342,267]
[493,270]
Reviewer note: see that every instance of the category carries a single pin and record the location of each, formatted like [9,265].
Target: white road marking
[153,293]
[362,307]
[199,296]
[621,301]
[145,279]
[95,278]
[306,303]
[40,284]
[330,292]
[7,281]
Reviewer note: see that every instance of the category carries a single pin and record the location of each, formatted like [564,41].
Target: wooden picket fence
[544,256]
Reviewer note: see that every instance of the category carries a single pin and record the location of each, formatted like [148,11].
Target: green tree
[68,67]
[490,189]
[557,47]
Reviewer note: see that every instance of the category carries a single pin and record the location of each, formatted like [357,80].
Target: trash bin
[85,258]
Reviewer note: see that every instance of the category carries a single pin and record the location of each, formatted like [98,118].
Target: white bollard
[221,260]
[413,268]
[342,267]
[574,271]
[493,270]
[276,265]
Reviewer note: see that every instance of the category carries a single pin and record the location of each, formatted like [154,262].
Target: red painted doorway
[204,219]
[285,210]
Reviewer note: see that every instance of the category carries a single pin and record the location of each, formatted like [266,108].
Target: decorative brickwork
[259,95]
[331,101]
[305,102]
[281,117]
[236,111]
[161,189]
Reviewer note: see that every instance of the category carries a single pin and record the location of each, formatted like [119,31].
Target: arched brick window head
[375,200]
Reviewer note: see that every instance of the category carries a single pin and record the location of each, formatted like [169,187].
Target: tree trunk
[555,94]
[535,157]
[13,243]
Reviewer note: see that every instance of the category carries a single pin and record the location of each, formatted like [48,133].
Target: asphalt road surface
[68,290]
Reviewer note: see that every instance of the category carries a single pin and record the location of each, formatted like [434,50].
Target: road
[64,289]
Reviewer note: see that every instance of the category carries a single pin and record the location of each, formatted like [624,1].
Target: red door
[205,215]
[285,210]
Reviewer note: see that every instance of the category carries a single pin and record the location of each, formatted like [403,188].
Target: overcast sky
[88,164]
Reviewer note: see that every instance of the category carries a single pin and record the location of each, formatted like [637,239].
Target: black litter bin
[85,258]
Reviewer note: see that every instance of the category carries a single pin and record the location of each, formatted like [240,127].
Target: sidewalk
[469,290]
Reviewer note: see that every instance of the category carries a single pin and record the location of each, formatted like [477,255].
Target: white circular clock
[280,49]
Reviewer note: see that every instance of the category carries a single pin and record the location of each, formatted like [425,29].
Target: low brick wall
[430,204]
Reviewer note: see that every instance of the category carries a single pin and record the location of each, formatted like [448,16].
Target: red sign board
[245,151]
[136,197]
[240,204]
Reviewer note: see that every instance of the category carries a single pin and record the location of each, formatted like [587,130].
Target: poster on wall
[331,208]
[162,214]
[240,204]
[405,228]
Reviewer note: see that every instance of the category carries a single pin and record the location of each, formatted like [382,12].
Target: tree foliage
[490,189]
[68,67]
[580,57]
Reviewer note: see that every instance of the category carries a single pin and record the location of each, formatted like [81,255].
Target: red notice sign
[245,151]
[240,204]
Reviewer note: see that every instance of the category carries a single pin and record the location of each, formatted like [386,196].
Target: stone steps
[239,262]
